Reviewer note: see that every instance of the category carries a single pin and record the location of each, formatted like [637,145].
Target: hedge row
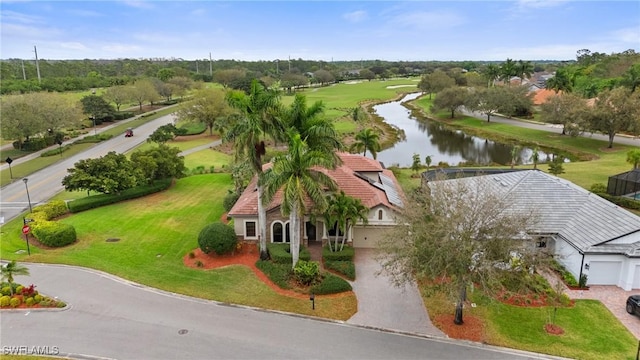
[278,273]
[331,284]
[346,254]
[55,152]
[95,201]
[93,139]
[622,201]
[52,233]
[280,254]
[346,268]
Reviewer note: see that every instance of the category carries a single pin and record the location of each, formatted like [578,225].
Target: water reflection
[430,138]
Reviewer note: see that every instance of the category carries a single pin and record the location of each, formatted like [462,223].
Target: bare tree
[460,232]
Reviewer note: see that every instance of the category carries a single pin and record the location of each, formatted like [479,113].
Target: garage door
[604,272]
[368,236]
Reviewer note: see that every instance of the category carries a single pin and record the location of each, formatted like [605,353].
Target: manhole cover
[183,331]
[113,240]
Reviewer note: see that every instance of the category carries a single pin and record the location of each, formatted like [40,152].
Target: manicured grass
[208,158]
[591,331]
[156,232]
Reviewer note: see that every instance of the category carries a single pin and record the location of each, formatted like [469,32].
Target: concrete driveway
[385,306]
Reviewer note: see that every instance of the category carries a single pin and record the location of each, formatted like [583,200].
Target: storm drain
[182,331]
[113,240]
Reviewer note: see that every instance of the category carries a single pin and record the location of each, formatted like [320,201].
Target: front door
[311,231]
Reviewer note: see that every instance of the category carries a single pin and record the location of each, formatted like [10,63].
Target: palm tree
[524,69]
[507,70]
[356,211]
[258,119]
[492,72]
[298,174]
[11,269]
[335,215]
[316,130]
[367,139]
[560,82]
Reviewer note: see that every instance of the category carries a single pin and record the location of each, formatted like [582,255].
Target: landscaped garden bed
[25,297]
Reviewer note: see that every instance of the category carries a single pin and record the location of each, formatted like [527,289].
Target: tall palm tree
[367,139]
[507,70]
[299,175]
[561,81]
[11,269]
[356,211]
[335,215]
[259,109]
[316,130]
[524,69]
[492,72]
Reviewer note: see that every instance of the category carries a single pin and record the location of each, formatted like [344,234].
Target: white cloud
[84,13]
[427,20]
[121,48]
[73,46]
[629,35]
[12,16]
[355,16]
[22,31]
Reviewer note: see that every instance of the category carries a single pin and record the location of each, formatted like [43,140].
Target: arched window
[276,232]
[379,214]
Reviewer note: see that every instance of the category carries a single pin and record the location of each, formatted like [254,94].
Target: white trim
[284,231]
[244,229]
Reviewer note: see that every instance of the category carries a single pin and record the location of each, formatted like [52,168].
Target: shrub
[279,253]
[14,302]
[52,209]
[278,273]
[19,289]
[583,280]
[55,152]
[598,188]
[38,298]
[93,139]
[54,234]
[346,268]
[217,237]
[29,302]
[230,200]
[622,201]
[346,254]
[199,263]
[6,290]
[306,272]
[122,115]
[5,301]
[192,255]
[331,284]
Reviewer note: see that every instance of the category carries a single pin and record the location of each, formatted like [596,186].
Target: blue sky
[318,30]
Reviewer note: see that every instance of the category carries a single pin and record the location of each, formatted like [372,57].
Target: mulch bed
[472,329]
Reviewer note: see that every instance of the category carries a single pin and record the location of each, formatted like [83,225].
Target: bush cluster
[331,284]
[567,276]
[56,151]
[278,273]
[52,209]
[280,254]
[123,115]
[622,201]
[93,139]
[346,254]
[54,234]
[307,272]
[217,237]
[96,201]
[346,268]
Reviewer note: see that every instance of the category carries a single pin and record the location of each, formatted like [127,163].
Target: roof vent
[503,183]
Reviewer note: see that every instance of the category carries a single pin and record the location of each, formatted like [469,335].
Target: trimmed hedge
[123,115]
[93,139]
[54,152]
[95,201]
[622,201]
[279,253]
[278,273]
[346,268]
[194,128]
[54,234]
[331,284]
[217,237]
[346,254]
[52,209]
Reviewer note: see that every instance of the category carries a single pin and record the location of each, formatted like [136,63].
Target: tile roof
[582,218]
[349,178]
[543,95]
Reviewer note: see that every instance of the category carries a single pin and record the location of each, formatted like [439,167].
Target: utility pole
[210,65]
[24,74]
[197,72]
[37,64]
[289,63]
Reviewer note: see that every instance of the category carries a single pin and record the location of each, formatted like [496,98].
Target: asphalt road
[112,318]
[45,183]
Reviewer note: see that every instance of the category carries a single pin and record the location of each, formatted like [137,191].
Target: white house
[359,177]
[589,234]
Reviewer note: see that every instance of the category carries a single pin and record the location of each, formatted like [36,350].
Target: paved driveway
[382,305]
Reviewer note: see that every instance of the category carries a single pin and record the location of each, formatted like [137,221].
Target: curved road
[47,182]
[111,318]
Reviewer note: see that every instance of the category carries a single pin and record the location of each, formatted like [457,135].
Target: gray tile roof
[581,217]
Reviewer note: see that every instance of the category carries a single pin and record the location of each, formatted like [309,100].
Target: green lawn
[156,232]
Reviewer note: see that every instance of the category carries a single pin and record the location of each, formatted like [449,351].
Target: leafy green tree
[451,99]
[631,77]
[633,157]
[436,82]
[10,270]
[427,161]
[416,163]
[297,174]
[569,110]
[209,107]
[165,133]
[259,109]
[358,114]
[143,91]
[367,74]
[535,157]
[324,76]
[615,111]
[461,231]
[561,81]
[489,101]
[367,139]
[109,174]
[169,163]
[96,107]
[227,77]
[117,94]
[556,166]
[165,74]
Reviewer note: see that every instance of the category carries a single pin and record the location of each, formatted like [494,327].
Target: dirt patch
[472,329]
[553,329]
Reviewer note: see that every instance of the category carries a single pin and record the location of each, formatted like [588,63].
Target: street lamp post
[28,197]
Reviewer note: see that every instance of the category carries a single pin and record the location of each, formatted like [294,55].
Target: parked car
[633,304]
[128,133]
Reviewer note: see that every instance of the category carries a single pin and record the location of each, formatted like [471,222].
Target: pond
[430,138]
